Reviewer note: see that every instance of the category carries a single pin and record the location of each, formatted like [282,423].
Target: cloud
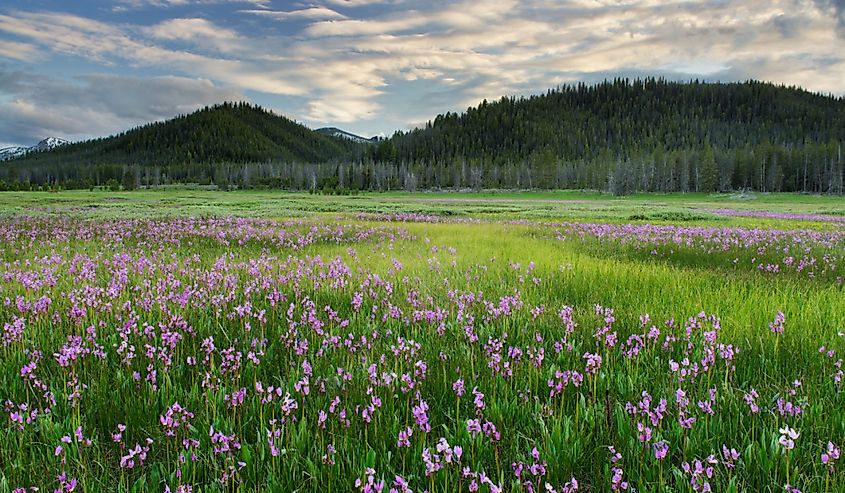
[363,3]
[70,35]
[197,32]
[37,106]
[837,7]
[123,5]
[385,64]
[18,51]
[311,13]
[191,29]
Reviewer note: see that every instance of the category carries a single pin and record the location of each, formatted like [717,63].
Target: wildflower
[660,449]
[777,325]
[368,483]
[616,481]
[174,418]
[729,457]
[138,453]
[65,485]
[478,399]
[328,457]
[400,485]
[750,399]
[117,436]
[404,437]
[458,387]
[830,456]
[593,363]
[420,411]
[788,437]
[700,472]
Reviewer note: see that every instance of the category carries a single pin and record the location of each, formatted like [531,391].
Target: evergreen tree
[708,180]
[619,135]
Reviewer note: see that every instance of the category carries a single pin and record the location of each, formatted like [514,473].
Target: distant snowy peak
[44,145]
[12,152]
[343,134]
[49,143]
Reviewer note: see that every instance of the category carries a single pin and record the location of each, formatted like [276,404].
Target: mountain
[18,151]
[208,145]
[229,132]
[343,134]
[49,143]
[621,136]
[645,134]
[12,152]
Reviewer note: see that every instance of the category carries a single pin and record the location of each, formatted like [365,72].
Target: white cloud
[123,5]
[97,104]
[312,13]
[18,51]
[191,29]
[363,3]
[72,35]
[351,57]
[198,33]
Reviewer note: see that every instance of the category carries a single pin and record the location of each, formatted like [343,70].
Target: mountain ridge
[621,135]
[235,132]
[43,145]
[343,134]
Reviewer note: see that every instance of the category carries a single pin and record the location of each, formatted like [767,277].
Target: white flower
[787,437]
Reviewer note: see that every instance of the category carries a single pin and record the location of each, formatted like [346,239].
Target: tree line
[621,136]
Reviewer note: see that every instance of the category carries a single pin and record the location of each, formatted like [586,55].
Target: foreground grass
[436,275]
[572,205]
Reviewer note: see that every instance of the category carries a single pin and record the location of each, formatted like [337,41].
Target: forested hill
[186,148]
[643,134]
[621,136]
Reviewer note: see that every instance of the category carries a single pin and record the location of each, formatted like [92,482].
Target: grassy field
[572,205]
[189,340]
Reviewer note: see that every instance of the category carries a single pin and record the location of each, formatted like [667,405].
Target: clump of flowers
[174,418]
[830,456]
[787,438]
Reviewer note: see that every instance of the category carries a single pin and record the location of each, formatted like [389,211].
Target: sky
[84,69]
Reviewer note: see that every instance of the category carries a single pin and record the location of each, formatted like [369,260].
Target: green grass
[441,261]
[562,205]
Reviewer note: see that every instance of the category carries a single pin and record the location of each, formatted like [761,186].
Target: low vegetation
[197,341]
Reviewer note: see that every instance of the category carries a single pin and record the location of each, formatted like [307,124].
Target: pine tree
[708,178]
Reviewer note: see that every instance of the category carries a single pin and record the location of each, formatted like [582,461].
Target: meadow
[201,341]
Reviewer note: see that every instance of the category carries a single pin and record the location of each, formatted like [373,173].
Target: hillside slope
[621,136]
[662,133]
[186,147]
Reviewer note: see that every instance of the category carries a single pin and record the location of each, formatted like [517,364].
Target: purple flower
[458,387]
[830,456]
[404,437]
[788,437]
[174,418]
[777,325]
[660,449]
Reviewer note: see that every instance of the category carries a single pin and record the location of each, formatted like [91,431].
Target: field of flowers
[400,351]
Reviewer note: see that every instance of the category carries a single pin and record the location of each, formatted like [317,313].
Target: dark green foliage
[621,136]
[708,170]
[185,149]
[650,135]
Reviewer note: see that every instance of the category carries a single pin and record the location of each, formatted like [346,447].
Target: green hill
[187,148]
[643,134]
[621,136]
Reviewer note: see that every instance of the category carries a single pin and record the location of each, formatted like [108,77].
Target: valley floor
[538,341]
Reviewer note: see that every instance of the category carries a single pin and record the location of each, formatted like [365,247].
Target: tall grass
[367,328]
